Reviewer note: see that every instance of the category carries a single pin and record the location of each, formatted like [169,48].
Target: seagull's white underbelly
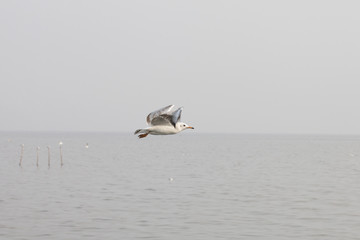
[162,130]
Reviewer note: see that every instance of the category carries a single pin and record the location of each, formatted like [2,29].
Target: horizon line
[225,133]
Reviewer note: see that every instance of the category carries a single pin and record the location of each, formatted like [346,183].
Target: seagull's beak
[190,127]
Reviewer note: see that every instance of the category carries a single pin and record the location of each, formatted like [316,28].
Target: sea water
[186,186]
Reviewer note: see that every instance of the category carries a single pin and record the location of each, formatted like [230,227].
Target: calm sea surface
[187,186]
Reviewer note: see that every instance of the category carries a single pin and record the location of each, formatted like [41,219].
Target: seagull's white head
[182,126]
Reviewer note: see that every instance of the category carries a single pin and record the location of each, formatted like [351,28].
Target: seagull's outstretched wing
[176,116]
[157,113]
[164,120]
[169,119]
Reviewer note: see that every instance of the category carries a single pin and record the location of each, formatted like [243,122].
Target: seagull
[163,122]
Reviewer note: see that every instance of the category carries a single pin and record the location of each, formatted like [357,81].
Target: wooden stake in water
[37,156]
[22,153]
[48,156]
[61,160]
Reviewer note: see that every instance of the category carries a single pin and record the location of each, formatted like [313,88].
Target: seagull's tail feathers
[140,131]
[144,132]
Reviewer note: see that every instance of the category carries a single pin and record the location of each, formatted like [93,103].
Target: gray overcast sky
[235,66]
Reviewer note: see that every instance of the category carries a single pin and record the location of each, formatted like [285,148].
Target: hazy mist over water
[235,66]
[203,186]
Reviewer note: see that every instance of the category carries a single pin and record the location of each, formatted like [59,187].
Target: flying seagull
[163,122]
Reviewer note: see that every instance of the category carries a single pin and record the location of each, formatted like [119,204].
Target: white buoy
[87,145]
[48,156]
[37,156]
[21,155]
[61,158]
[171,179]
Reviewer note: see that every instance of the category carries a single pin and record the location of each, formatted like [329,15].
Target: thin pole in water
[22,153]
[37,156]
[48,156]
[61,159]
